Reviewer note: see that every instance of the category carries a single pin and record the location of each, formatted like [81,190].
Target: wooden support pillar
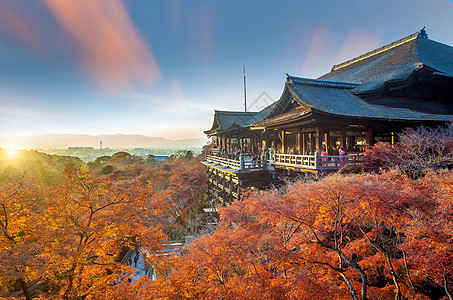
[304,143]
[283,141]
[369,136]
[327,141]
[256,146]
[275,137]
[343,138]
[257,143]
[225,196]
[299,145]
[319,138]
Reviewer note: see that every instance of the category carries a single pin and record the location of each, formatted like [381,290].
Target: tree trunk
[348,282]
[24,287]
[357,267]
[446,287]
[407,273]
[351,263]
[398,295]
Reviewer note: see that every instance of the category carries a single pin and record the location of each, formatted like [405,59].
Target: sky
[160,68]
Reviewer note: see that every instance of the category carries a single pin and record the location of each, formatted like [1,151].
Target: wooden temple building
[323,124]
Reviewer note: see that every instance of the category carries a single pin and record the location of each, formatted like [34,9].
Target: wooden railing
[317,162]
[312,162]
[245,163]
[292,160]
[225,162]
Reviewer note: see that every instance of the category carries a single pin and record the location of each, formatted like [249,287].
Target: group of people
[266,154]
[236,154]
[340,151]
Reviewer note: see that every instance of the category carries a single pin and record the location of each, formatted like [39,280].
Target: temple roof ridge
[321,82]
[419,34]
[235,112]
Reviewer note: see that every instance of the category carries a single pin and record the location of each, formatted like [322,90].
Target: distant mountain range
[114,141]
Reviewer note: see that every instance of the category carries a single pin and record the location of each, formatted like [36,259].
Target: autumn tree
[418,151]
[89,220]
[68,243]
[269,247]
[45,168]
[355,236]
[428,238]
[20,229]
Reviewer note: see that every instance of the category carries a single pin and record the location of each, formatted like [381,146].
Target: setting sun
[12,152]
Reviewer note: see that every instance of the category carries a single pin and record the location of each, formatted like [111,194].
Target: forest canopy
[385,234]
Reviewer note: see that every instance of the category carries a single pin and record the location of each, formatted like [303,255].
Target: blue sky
[160,68]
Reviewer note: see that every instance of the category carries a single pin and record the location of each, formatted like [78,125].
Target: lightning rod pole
[245,93]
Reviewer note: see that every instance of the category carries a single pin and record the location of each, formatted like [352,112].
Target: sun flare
[12,152]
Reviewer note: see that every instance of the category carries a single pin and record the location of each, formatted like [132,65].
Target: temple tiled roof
[230,120]
[338,101]
[344,91]
[322,97]
[393,62]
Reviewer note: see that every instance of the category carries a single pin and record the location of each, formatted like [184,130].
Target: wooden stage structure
[325,124]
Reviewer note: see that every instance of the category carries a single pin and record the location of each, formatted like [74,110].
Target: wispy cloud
[18,119]
[170,99]
[357,42]
[200,34]
[18,25]
[112,51]
[176,15]
[320,51]
[21,108]
[178,96]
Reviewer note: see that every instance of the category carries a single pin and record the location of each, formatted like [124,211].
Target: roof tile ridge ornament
[419,34]
[235,112]
[320,82]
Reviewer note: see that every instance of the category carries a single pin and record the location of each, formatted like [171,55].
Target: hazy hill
[63,141]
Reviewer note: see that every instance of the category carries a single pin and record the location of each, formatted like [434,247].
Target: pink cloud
[200,34]
[317,61]
[112,51]
[17,25]
[356,43]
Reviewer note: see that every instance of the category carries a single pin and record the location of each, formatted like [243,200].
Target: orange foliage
[366,236]
[71,244]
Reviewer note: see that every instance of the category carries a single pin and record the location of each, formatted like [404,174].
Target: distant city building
[80,149]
